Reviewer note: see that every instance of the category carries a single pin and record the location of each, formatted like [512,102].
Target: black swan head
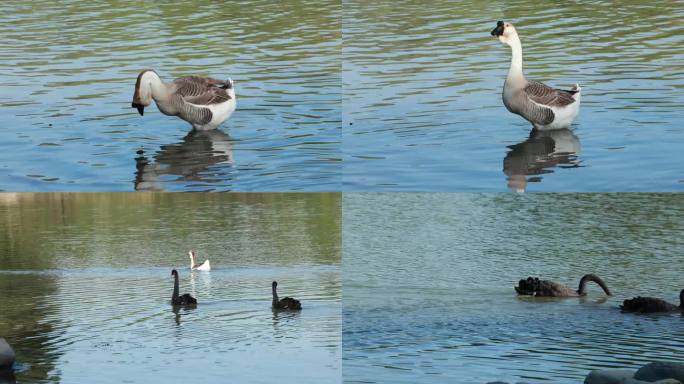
[274,284]
[174,273]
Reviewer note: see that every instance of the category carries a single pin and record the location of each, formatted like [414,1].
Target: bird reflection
[176,312]
[189,160]
[7,377]
[537,155]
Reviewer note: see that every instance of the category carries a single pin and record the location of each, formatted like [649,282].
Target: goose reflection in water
[189,160]
[536,156]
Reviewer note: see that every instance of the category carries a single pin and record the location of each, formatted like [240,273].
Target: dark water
[86,291]
[428,293]
[422,96]
[67,79]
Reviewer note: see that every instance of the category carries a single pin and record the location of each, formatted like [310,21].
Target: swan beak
[141,108]
[499,30]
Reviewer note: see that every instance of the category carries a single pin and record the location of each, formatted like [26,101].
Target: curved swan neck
[175,287]
[515,73]
[591,277]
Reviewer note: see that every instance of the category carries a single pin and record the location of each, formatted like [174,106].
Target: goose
[198,267]
[286,303]
[185,299]
[652,304]
[545,107]
[203,102]
[532,286]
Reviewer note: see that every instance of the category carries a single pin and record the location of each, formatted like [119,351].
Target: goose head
[505,32]
[142,97]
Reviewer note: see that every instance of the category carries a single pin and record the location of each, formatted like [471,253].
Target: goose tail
[576,89]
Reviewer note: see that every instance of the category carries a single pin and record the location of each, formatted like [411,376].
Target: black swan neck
[591,277]
[681,299]
[174,297]
[275,294]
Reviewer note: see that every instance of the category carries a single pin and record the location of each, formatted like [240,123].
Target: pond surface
[68,75]
[85,285]
[422,96]
[428,294]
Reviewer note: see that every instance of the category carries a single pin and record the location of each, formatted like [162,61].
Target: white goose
[543,106]
[198,267]
[201,101]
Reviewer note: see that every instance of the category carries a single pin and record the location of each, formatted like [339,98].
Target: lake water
[422,96]
[428,294]
[85,285]
[69,70]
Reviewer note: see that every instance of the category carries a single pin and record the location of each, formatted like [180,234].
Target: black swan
[534,287]
[184,299]
[652,305]
[287,303]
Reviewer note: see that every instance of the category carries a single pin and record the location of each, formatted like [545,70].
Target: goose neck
[515,73]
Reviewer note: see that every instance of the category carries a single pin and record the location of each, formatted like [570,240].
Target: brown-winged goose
[201,101]
[195,266]
[541,105]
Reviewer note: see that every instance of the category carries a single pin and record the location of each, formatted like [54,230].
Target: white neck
[152,86]
[515,73]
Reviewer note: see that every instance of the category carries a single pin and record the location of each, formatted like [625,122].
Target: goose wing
[547,96]
[202,90]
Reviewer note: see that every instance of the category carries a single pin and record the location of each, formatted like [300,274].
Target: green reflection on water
[62,230]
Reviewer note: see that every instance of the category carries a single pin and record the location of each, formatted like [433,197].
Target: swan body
[652,305]
[545,107]
[533,286]
[184,299]
[286,303]
[203,102]
[198,267]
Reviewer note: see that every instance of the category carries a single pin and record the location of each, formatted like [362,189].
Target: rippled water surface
[428,294]
[67,75]
[422,102]
[85,285]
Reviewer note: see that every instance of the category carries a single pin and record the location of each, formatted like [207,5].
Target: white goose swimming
[543,106]
[201,101]
[198,267]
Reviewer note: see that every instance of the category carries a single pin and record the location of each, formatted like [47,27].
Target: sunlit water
[428,293]
[67,79]
[86,290]
[422,105]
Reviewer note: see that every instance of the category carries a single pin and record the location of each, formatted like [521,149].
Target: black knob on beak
[499,30]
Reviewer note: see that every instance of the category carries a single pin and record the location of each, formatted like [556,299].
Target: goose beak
[499,30]
[141,108]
